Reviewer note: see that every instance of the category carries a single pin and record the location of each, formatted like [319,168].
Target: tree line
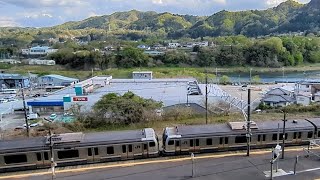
[229,51]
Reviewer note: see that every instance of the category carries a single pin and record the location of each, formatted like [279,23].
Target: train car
[232,136]
[77,148]
[23,154]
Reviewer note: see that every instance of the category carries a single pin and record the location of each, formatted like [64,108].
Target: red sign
[80,98]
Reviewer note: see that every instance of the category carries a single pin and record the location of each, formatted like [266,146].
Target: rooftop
[61,77]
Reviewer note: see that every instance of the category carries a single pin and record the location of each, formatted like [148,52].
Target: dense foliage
[229,51]
[126,109]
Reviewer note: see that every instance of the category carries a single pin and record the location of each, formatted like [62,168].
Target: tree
[224,80]
[256,79]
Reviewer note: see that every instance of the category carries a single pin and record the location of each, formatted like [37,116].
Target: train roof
[76,139]
[236,128]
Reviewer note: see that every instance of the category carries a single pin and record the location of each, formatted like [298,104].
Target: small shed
[303,99]
[142,75]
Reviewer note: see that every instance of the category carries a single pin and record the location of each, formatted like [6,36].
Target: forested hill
[289,16]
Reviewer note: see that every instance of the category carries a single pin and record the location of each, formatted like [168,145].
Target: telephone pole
[206,97]
[249,122]
[24,109]
[284,133]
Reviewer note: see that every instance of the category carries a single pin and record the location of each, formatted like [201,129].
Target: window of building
[240,139]
[96,151]
[130,148]
[191,142]
[14,159]
[152,144]
[89,152]
[209,141]
[310,134]
[46,156]
[226,140]
[197,142]
[124,148]
[39,157]
[110,150]
[68,154]
[221,140]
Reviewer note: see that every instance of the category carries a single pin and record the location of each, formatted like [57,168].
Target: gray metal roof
[222,129]
[61,77]
[278,91]
[89,139]
[278,98]
[12,76]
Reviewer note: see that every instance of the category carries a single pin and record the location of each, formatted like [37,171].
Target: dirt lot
[256,94]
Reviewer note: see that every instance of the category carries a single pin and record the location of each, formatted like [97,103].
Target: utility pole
[206,97]
[250,76]
[249,122]
[284,133]
[24,108]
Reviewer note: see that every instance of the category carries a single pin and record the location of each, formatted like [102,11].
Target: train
[85,148]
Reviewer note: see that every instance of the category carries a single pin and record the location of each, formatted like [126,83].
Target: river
[276,76]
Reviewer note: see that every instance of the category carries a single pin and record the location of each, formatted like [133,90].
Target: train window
[96,151]
[46,156]
[68,154]
[177,143]
[264,137]
[281,136]
[137,147]
[221,140]
[145,146]
[191,142]
[295,135]
[197,142]
[89,152]
[124,148]
[39,157]
[14,159]
[152,144]
[240,139]
[299,135]
[110,150]
[318,133]
[226,140]
[274,137]
[310,134]
[209,141]
[259,138]
[130,148]
[171,142]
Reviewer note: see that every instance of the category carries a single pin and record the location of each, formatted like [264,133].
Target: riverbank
[165,72]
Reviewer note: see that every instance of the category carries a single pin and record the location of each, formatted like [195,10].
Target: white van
[32,116]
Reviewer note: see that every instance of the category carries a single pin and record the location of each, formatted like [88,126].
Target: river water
[275,76]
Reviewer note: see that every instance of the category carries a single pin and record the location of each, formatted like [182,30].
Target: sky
[43,13]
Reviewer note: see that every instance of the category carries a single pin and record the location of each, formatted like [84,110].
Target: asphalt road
[218,167]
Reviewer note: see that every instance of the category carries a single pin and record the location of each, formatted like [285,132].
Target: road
[226,166]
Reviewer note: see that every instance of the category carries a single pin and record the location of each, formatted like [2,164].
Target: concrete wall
[142,75]
[303,100]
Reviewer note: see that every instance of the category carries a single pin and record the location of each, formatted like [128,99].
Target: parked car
[52,117]
[32,116]
[36,95]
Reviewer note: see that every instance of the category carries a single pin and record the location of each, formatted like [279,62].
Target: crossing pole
[206,97]
[24,109]
[283,133]
[249,122]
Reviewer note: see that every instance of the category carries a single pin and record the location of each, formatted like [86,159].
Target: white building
[154,53]
[142,75]
[173,45]
[38,50]
[304,99]
[42,62]
[101,81]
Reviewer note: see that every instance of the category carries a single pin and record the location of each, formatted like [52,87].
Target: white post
[192,159]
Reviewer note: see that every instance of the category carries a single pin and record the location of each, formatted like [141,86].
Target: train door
[90,154]
[191,145]
[95,153]
[43,159]
[297,137]
[261,139]
[223,142]
[197,145]
[127,151]
[145,150]
[178,146]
